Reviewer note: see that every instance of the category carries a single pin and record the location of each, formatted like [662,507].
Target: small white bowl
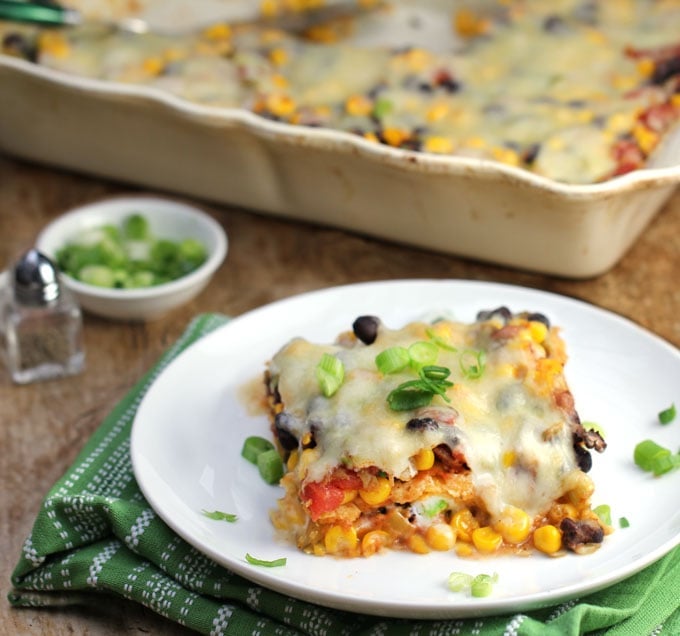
[168,219]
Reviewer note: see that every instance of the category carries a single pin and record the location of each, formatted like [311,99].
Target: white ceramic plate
[190,427]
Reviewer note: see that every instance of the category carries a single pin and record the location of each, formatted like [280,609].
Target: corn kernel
[538,331]
[378,493]
[280,105]
[547,539]
[438,145]
[341,540]
[358,105]
[349,496]
[374,541]
[475,142]
[219,31]
[464,524]
[292,460]
[508,458]
[437,112]
[424,459]
[561,511]
[269,8]
[505,155]
[486,539]
[514,525]
[463,549]
[54,43]
[646,138]
[417,544]
[395,136]
[440,536]
[468,24]
[318,550]
[675,100]
[371,136]
[278,56]
[153,65]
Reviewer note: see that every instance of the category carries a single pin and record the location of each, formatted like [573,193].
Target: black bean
[665,70]
[366,328]
[17,44]
[577,533]
[583,458]
[499,312]
[536,317]
[287,440]
[422,424]
[554,24]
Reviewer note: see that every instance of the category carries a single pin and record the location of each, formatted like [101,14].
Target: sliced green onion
[218,515]
[440,342]
[624,523]
[436,373]
[459,581]
[254,446]
[392,360]
[330,372]
[482,585]
[667,415]
[136,227]
[276,563]
[381,108]
[423,354]
[647,453]
[604,512]
[472,363]
[434,508]
[270,465]
[409,396]
[656,459]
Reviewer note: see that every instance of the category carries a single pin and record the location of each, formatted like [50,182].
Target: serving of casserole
[536,136]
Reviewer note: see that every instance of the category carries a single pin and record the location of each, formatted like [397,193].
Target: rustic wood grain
[43,426]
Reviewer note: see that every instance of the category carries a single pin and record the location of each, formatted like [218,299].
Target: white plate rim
[458,608]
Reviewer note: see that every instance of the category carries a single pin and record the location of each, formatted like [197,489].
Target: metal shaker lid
[36,279]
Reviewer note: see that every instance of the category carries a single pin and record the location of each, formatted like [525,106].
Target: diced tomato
[627,155]
[325,496]
[659,117]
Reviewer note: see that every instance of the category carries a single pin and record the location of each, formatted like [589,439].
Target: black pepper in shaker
[42,322]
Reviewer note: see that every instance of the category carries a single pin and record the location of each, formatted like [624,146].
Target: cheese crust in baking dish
[575,91]
[434,436]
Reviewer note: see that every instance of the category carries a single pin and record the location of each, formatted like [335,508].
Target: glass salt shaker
[42,323]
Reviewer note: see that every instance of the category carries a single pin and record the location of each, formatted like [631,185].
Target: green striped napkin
[95,533]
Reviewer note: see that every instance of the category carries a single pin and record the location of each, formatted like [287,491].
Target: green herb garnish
[381,108]
[472,363]
[218,515]
[667,415]
[330,373]
[415,394]
[624,523]
[654,458]
[479,586]
[604,512]
[392,360]
[262,453]
[422,354]
[128,256]
[276,563]
[440,342]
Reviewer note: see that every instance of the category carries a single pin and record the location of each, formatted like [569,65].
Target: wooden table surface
[44,425]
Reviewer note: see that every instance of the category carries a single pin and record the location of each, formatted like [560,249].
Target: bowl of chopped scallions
[134,258]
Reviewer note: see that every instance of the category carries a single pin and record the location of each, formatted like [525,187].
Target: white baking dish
[472,208]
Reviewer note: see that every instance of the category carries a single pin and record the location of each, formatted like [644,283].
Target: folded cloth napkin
[96,533]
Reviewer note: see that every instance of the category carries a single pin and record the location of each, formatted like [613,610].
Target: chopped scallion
[423,354]
[270,465]
[604,512]
[330,373]
[459,581]
[667,415]
[418,393]
[267,564]
[472,363]
[392,360]
[482,585]
[654,458]
[254,446]
[439,341]
[218,515]
[624,523]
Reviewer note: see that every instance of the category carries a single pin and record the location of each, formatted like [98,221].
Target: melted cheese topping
[516,440]
[575,91]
